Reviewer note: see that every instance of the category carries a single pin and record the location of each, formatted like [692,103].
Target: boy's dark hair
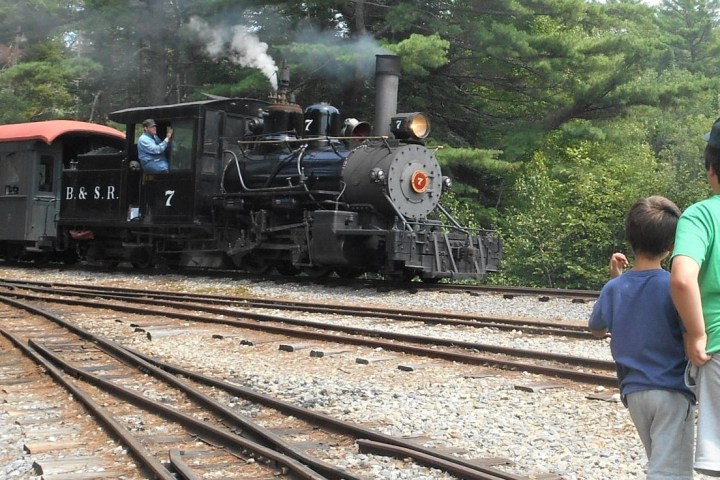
[712,158]
[650,225]
[712,149]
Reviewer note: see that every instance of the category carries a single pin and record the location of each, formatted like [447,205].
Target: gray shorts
[665,421]
[707,451]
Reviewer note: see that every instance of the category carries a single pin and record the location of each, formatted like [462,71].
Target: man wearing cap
[695,289]
[151,151]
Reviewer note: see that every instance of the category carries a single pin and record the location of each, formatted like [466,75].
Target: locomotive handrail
[387,145]
[297,191]
[337,199]
[397,212]
[452,219]
[301,174]
[310,139]
[262,189]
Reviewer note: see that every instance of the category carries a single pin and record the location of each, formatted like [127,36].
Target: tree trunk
[154,75]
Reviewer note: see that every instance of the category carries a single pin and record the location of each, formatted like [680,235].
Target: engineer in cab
[152,151]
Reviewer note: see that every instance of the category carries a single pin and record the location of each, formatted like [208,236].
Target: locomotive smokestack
[284,83]
[387,77]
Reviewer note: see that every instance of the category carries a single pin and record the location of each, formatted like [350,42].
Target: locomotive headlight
[377,175]
[447,184]
[410,126]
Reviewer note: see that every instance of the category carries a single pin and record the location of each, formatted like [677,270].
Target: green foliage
[420,53]
[479,178]
[14,108]
[561,112]
[569,204]
[46,89]
[462,211]
[677,140]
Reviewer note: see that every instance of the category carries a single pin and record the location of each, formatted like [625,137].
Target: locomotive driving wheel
[287,269]
[348,272]
[141,258]
[317,271]
[255,266]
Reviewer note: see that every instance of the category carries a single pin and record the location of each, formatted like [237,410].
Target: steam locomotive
[255,184]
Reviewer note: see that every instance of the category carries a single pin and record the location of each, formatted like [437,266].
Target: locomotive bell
[355,128]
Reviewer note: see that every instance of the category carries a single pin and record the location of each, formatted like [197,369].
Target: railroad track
[379,284]
[140,423]
[532,326]
[182,404]
[292,329]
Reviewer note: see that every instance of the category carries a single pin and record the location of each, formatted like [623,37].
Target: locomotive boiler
[263,185]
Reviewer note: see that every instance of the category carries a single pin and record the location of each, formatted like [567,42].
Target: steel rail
[461,471]
[230,441]
[385,285]
[475,321]
[294,464]
[157,368]
[138,450]
[183,469]
[392,313]
[320,418]
[389,341]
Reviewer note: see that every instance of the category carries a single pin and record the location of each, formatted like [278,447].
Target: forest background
[554,115]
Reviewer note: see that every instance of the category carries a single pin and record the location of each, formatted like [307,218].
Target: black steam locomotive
[260,185]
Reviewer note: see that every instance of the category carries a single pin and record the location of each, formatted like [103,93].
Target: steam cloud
[239,45]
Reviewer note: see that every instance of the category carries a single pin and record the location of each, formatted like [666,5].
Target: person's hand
[618,263]
[169,133]
[695,349]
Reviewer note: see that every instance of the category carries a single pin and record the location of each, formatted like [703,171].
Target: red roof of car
[49,130]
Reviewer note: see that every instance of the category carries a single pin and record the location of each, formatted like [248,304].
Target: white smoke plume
[239,45]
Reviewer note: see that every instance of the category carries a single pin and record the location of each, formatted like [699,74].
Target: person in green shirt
[695,290]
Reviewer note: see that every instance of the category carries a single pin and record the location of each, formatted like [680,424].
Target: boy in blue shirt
[647,340]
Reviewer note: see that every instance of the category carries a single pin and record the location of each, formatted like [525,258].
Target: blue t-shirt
[646,342]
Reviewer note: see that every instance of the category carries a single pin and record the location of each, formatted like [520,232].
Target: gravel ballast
[473,409]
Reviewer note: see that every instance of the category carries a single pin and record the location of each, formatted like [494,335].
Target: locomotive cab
[172,215]
[165,197]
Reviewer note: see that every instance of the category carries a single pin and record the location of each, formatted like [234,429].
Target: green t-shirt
[698,237]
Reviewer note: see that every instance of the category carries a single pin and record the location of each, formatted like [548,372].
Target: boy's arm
[685,292]
[618,263]
[596,323]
